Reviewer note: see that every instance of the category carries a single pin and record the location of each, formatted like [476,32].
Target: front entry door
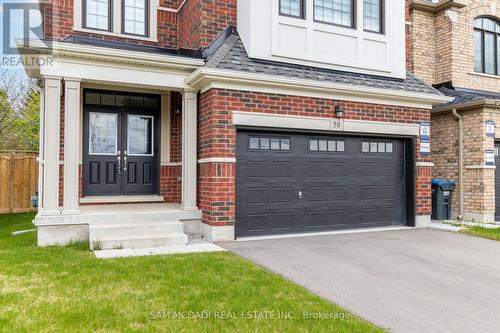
[120,145]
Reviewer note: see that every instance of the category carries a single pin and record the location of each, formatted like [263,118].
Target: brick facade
[442,50]
[217,138]
[196,25]
[170,175]
[442,44]
[479,183]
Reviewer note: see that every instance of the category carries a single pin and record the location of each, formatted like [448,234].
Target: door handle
[125,163]
[119,170]
[299,195]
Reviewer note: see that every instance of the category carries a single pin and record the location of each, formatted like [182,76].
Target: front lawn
[69,290]
[483,232]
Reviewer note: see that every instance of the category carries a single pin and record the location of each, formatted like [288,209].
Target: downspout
[41,157]
[460,164]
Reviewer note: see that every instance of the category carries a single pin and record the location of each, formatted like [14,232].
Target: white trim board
[217,160]
[168,250]
[212,78]
[325,233]
[321,124]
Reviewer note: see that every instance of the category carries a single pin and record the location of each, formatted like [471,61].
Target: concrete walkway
[416,280]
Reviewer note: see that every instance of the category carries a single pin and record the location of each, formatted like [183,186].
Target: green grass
[66,289]
[483,232]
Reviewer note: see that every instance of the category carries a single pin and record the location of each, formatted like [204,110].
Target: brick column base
[170,183]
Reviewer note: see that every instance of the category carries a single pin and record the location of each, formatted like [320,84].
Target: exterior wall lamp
[339,112]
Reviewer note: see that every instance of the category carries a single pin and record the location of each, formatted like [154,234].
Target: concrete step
[98,231]
[139,217]
[139,241]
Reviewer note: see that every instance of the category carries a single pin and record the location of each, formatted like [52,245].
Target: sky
[16,24]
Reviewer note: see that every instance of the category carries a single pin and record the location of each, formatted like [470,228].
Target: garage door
[289,183]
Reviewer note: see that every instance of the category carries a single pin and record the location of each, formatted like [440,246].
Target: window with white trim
[372,15]
[97,14]
[294,8]
[135,18]
[337,12]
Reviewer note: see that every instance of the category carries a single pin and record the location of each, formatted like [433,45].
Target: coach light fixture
[339,111]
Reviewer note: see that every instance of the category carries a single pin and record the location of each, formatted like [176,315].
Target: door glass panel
[102,133]
[140,135]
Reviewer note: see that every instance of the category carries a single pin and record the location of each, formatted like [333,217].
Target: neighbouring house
[455,46]
[227,118]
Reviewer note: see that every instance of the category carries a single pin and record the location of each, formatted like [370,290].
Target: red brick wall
[59,24]
[217,138]
[170,184]
[201,21]
[196,25]
[409,62]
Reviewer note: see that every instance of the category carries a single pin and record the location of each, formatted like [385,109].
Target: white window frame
[146,19]
[116,24]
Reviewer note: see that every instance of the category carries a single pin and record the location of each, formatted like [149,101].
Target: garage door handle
[299,195]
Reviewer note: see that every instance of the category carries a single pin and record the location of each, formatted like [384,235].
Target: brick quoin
[217,138]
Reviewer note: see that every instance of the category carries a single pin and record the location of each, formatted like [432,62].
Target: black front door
[120,144]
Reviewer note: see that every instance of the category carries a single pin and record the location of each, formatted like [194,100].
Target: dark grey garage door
[289,183]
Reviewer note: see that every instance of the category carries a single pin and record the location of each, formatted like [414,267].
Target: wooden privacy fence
[18,181]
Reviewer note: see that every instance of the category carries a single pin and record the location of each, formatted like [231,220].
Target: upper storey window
[372,15]
[293,8]
[134,17]
[486,46]
[97,14]
[338,12]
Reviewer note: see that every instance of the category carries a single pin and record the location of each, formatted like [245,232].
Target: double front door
[120,144]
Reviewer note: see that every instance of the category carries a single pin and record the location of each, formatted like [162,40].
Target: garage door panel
[258,195]
[282,169]
[316,193]
[350,188]
[283,194]
[367,169]
[339,193]
[283,221]
[317,219]
[258,169]
[258,222]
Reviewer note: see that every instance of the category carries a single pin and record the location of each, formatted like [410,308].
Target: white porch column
[50,205]
[189,158]
[71,145]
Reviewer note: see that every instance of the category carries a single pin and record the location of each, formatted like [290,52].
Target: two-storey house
[228,119]
[455,45]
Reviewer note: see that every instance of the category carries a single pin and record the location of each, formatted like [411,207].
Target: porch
[93,186]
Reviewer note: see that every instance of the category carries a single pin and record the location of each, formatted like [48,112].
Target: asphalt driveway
[408,281]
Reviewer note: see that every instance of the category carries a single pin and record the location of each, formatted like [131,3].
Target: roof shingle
[231,55]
